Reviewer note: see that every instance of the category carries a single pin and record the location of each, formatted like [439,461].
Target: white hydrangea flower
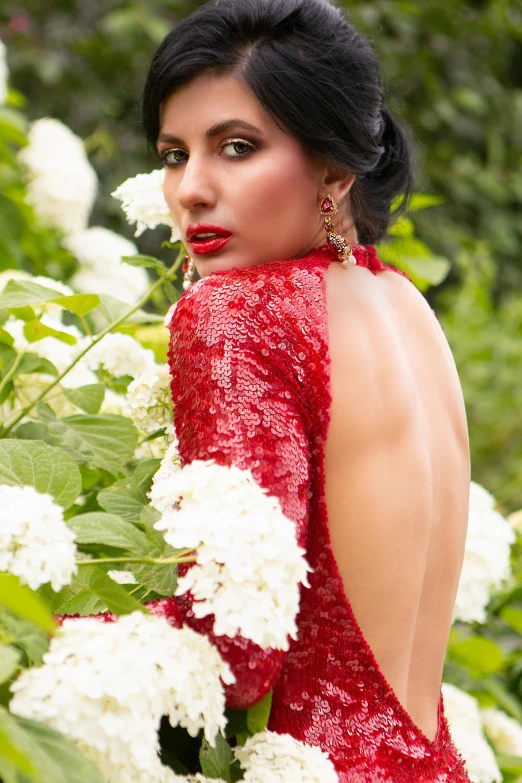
[504,732]
[144,203]
[118,353]
[128,287]
[99,251]
[150,400]
[486,559]
[160,493]
[62,184]
[106,685]
[269,757]
[35,542]
[115,403]
[80,375]
[197,778]
[248,563]
[122,577]
[4,72]
[465,724]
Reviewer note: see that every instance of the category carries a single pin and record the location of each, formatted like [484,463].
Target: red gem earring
[336,241]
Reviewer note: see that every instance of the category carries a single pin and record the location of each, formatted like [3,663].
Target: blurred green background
[453,71]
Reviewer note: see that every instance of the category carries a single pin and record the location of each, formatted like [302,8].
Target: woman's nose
[195,186]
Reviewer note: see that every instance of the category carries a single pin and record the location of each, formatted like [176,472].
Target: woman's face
[256,183]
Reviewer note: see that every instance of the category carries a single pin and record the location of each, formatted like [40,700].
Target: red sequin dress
[250,372]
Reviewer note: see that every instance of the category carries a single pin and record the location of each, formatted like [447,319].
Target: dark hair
[311,71]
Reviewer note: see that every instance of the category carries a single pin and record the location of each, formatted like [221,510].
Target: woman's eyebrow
[214,130]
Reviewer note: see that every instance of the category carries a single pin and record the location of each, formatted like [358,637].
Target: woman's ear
[337,181]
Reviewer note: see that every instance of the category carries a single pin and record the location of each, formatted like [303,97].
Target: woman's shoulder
[285,293]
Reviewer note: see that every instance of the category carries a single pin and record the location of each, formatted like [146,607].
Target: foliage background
[454,73]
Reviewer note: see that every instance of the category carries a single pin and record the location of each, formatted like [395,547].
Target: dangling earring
[336,241]
[187,267]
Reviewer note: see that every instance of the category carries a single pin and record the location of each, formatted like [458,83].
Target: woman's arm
[235,402]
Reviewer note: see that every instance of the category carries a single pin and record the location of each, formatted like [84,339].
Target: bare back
[397,472]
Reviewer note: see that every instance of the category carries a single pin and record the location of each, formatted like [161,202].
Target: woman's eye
[239,144]
[242,148]
[171,152]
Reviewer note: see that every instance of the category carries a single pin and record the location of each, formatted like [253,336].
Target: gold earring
[336,241]
[187,267]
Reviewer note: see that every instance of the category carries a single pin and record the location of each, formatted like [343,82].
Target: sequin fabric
[250,382]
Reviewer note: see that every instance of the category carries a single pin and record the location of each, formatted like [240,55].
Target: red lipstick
[200,244]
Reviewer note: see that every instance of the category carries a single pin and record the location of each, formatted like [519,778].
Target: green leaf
[36,330]
[33,430]
[23,602]
[55,757]
[423,200]
[31,362]
[115,596]
[47,468]
[83,603]
[510,763]
[124,499]
[215,762]
[5,337]
[147,261]
[236,722]
[9,660]
[104,440]
[161,579]
[76,598]
[111,309]
[512,617]
[257,716]
[89,398]
[15,761]
[80,304]
[404,227]
[143,474]
[99,528]
[149,515]
[24,313]
[434,269]
[26,636]
[7,357]
[503,697]
[19,293]
[480,655]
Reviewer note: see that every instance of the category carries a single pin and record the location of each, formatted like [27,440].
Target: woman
[299,355]
[332,382]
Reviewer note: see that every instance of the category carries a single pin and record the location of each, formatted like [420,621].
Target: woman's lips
[208,245]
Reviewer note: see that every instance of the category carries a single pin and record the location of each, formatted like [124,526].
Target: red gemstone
[326,205]
[184,267]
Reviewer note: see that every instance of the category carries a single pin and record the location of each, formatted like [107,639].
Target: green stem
[148,560]
[169,275]
[12,370]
